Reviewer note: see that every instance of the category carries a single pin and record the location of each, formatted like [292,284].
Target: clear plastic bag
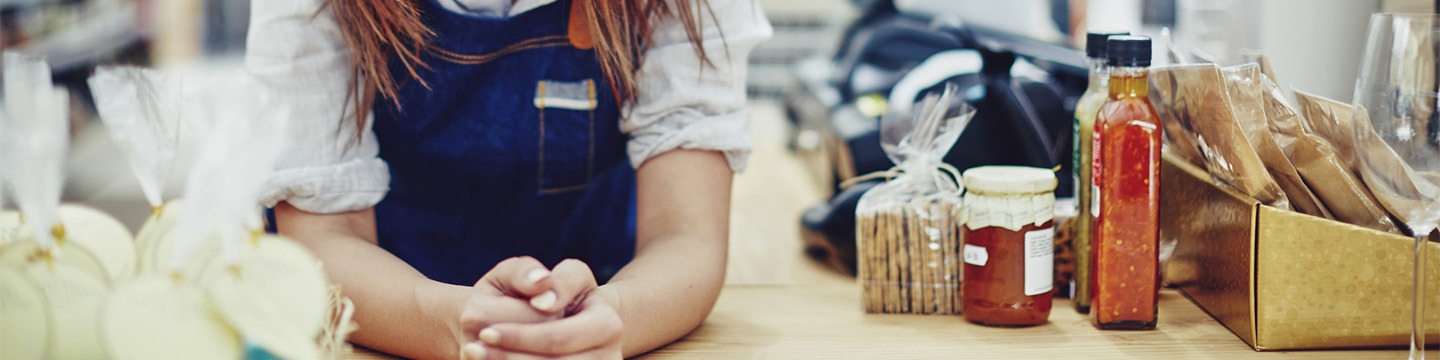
[908,229]
[243,140]
[1195,98]
[140,108]
[37,138]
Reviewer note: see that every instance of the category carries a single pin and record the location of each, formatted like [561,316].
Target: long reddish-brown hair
[379,31]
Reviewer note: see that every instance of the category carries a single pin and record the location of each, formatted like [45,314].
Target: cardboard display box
[1282,280]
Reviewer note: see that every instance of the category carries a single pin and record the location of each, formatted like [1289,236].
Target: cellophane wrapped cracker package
[908,229]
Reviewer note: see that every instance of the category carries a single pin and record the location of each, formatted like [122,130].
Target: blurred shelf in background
[803,28]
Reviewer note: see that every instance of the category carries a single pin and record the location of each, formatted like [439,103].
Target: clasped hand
[521,310]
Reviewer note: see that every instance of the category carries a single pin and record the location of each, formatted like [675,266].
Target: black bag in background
[1020,120]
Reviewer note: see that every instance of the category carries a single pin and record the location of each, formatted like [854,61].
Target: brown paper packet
[1385,175]
[1331,120]
[1433,177]
[1247,95]
[1195,97]
[1285,129]
[1336,186]
[1264,62]
[1178,138]
[1284,118]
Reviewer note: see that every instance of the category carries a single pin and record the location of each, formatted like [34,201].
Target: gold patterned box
[1281,280]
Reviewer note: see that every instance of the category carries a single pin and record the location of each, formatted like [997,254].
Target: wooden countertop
[820,317]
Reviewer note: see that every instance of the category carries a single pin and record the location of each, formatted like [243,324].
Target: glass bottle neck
[1099,73]
[1129,81]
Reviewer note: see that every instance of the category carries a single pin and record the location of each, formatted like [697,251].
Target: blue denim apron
[514,149]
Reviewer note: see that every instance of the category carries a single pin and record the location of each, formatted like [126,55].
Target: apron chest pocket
[567,134]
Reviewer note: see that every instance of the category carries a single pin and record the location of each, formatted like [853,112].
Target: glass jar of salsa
[1009,245]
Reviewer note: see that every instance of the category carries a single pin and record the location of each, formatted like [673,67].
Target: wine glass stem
[1417,329]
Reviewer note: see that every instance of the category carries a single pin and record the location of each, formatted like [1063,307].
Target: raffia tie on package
[1326,158]
[908,229]
[1247,95]
[1195,97]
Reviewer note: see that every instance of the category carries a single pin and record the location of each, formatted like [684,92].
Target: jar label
[976,255]
[1039,261]
[1094,200]
[1095,166]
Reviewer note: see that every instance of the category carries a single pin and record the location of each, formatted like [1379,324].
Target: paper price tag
[976,255]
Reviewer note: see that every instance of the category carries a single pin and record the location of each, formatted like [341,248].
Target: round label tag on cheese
[25,332]
[158,318]
[74,299]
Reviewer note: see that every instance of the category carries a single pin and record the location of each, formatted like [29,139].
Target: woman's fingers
[484,310]
[520,276]
[569,280]
[595,325]
[605,353]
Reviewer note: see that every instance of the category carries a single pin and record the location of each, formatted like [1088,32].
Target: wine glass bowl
[1396,127]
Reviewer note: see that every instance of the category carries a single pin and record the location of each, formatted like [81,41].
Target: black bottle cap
[1129,51]
[1095,42]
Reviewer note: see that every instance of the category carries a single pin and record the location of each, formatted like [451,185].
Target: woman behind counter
[454,158]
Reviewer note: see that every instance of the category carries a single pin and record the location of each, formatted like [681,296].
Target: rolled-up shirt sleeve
[295,50]
[682,103]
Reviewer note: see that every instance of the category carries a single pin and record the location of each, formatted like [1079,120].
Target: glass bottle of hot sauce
[1085,110]
[1126,194]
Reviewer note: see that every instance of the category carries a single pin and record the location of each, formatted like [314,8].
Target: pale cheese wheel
[74,299]
[157,226]
[103,236]
[25,331]
[11,228]
[260,319]
[286,272]
[201,257]
[158,318]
